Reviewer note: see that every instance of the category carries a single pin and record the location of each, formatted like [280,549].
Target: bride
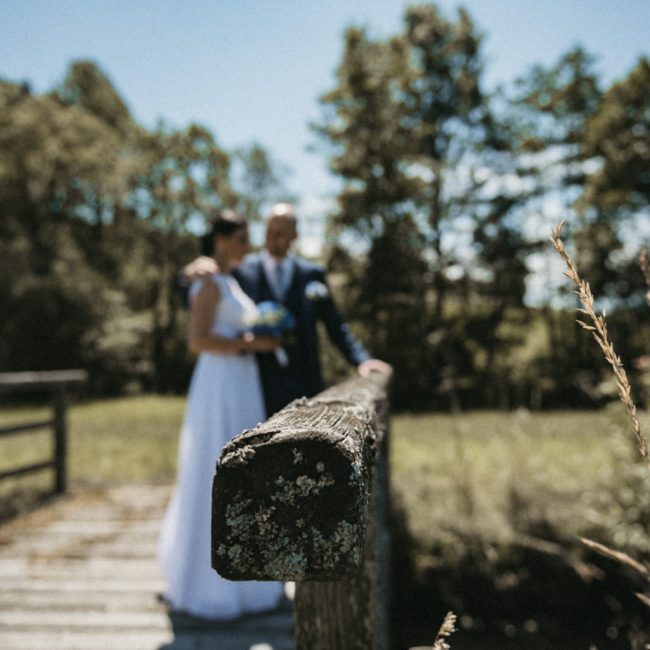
[225,397]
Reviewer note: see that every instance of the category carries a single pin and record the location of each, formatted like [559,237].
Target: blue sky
[252,70]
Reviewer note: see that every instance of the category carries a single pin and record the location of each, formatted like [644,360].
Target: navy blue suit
[302,375]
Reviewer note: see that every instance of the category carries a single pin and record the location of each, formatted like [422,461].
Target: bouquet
[273,319]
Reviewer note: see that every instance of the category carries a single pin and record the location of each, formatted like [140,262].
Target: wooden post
[60,440]
[302,497]
[350,613]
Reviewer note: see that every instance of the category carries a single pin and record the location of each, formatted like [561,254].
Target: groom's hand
[200,268]
[366,368]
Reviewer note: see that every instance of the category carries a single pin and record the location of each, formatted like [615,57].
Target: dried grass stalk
[598,328]
[623,558]
[447,628]
[645,268]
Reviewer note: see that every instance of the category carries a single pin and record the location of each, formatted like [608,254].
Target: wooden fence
[57,383]
[303,497]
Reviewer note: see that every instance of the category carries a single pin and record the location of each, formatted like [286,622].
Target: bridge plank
[81,574]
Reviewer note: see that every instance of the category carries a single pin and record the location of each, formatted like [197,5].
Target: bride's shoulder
[208,285]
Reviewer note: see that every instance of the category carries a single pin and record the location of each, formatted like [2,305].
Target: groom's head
[281,230]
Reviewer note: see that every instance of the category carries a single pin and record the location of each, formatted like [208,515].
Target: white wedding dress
[225,397]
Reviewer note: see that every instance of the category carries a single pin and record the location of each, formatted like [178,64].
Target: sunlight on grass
[493,474]
[110,441]
[125,440]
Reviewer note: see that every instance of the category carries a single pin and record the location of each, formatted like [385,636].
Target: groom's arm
[338,330]
[340,334]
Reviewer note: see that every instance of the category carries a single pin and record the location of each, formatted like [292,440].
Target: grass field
[492,472]
[492,504]
[110,441]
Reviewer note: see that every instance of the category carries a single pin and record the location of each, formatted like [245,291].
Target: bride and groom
[237,382]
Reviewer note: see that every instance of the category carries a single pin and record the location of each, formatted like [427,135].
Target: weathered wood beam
[291,496]
[10,381]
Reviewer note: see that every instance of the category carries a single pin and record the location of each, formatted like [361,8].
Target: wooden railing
[57,383]
[303,497]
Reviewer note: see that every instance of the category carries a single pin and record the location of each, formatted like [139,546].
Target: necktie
[279,280]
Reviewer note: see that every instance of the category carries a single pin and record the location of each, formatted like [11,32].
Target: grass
[493,505]
[556,462]
[128,440]
[476,465]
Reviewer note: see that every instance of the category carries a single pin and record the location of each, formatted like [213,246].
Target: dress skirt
[224,399]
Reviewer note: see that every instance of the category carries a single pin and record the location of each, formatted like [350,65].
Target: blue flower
[273,319]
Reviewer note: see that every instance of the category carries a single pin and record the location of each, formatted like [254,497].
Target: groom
[275,275]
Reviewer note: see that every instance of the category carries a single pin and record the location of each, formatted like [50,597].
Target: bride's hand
[266,343]
[261,343]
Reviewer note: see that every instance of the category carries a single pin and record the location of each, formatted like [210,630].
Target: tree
[89,88]
[551,109]
[617,133]
[617,192]
[363,126]
[444,105]
[184,181]
[97,214]
[51,153]
[258,180]
[400,120]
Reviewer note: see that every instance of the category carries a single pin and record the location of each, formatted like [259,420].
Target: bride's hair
[225,223]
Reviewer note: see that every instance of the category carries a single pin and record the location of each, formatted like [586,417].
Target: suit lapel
[265,291]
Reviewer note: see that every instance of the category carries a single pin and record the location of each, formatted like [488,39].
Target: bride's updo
[225,223]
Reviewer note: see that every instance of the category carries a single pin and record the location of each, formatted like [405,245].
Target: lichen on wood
[290,497]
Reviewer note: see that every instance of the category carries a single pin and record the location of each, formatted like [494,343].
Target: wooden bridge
[81,574]
[308,489]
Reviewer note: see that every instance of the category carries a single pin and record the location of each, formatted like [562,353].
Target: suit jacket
[302,375]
